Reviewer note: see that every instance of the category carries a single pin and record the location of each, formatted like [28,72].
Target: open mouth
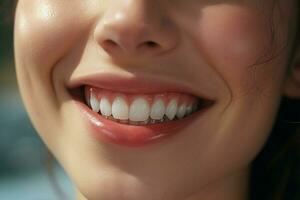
[122,113]
[139,109]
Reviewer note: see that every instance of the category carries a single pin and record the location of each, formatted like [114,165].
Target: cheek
[233,38]
[44,31]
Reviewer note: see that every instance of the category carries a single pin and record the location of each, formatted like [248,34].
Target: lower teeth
[149,121]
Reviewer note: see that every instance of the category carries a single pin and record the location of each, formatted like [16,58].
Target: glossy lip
[132,135]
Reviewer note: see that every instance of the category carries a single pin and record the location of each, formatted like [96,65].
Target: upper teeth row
[139,110]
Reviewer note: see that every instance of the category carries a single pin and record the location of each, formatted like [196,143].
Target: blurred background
[25,164]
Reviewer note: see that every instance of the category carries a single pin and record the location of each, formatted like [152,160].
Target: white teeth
[158,109]
[139,110]
[171,109]
[181,111]
[105,106]
[94,103]
[120,108]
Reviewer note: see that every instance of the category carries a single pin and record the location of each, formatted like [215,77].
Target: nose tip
[135,32]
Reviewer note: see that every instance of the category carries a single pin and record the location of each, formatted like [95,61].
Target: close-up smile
[135,111]
[161,100]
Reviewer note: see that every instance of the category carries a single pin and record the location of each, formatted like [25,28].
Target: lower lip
[131,135]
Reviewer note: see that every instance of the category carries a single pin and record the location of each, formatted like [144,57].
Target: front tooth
[171,109]
[139,110]
[158,109]
[120,108]
[181,111]
[105,106]
[94,103]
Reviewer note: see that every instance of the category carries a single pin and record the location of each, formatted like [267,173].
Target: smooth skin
[216,46]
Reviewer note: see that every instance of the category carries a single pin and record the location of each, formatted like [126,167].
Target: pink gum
[165,96]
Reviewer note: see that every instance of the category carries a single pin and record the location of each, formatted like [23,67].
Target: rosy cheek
[232,38]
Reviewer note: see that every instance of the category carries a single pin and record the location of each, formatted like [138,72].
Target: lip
[137,83]
[132,135]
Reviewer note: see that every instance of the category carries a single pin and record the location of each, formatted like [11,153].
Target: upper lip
[140,84]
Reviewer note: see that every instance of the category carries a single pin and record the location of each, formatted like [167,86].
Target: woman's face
[136,53]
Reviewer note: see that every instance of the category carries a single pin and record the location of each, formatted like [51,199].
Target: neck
[232,187]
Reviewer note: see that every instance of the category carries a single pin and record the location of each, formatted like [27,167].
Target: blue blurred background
[24,174]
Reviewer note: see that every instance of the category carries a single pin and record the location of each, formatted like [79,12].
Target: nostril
[148,46]
[109,45]
[151,44]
